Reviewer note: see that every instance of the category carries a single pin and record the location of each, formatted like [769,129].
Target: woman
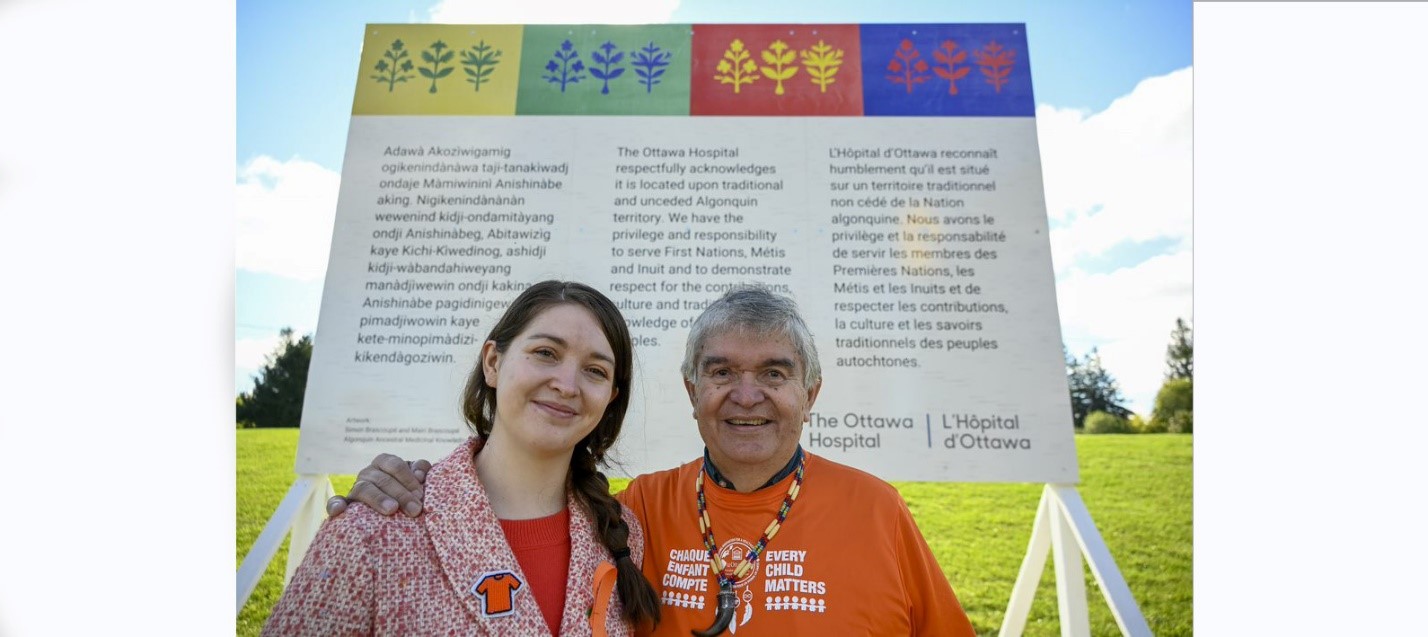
[518,519]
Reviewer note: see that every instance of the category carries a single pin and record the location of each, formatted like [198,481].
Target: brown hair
[589,486]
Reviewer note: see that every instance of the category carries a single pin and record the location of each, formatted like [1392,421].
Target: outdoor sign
[885,176]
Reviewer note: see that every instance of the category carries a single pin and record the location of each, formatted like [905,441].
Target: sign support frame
[302,511]
[1064,529]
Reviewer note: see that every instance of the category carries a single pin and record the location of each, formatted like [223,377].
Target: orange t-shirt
[849,560]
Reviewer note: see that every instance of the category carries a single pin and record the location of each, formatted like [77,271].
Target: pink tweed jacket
[448,572]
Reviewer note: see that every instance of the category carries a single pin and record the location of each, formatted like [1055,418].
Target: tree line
[276,397]
[1097,405]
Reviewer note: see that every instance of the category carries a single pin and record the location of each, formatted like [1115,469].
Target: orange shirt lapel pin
[497,591]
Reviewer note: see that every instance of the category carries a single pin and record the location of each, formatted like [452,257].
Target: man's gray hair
[757,309]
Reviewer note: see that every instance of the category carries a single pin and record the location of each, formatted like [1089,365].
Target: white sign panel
[916,246]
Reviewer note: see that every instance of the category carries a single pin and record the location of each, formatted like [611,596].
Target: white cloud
[1121,175]
[285,216]
[553,12]
[249,356]
[1128,314]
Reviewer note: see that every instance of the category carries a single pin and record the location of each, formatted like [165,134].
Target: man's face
[750,402]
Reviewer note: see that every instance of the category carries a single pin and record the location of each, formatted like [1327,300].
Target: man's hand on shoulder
[386,484]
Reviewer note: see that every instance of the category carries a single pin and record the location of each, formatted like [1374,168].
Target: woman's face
[553,382]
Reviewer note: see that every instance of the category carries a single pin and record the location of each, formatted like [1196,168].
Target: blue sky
[1112,83]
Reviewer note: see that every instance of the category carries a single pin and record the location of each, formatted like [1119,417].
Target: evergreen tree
[1092,388]
[276,397]
[1180,354]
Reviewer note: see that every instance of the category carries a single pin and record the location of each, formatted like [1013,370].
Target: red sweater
[542,547]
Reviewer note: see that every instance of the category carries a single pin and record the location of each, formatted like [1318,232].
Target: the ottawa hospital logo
[733,553]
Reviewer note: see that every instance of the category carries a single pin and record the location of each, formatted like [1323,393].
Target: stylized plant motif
[481,64]
[569,67]
[436,59]
[945,54]
[394,67]
[781,61]
[822,62]
[736,68]
[609,59]
[995,63]
[907,64]
[648,61]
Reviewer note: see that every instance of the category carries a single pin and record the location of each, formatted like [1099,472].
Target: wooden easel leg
[1103,566]
[1070,579]
[270,539]
[1064,528]
[309,518]
[1019,607]
[303,506]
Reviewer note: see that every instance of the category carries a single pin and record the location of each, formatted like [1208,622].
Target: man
[758,536]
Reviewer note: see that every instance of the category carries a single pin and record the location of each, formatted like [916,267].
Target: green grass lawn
[1138,489]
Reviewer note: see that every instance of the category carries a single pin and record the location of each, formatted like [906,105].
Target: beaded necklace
[726,598]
